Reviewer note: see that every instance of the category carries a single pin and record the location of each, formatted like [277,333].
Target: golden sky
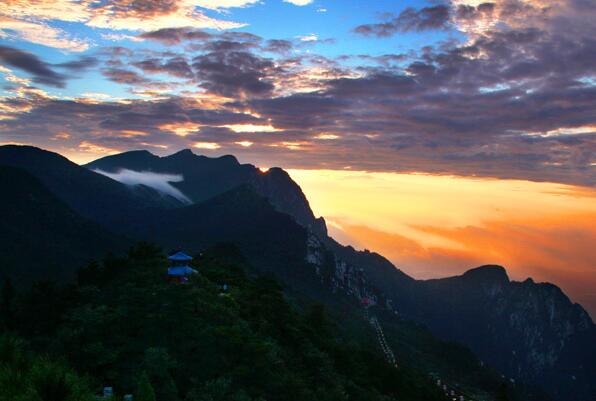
[437,226]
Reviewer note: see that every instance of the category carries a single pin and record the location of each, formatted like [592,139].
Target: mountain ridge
[38,229]
[94,196]
[206,177]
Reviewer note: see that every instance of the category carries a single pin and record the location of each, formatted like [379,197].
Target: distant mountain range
[529,332]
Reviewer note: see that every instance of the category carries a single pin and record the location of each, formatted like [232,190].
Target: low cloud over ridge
[158,181]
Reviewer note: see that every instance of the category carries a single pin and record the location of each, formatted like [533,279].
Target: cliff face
[287,196]
[530,332]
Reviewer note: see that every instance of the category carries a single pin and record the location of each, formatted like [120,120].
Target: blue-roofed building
[180,257]
[179,271]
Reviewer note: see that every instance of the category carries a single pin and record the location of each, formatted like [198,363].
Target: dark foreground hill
[92,195]
[124,325]
[40,236]
[527,331]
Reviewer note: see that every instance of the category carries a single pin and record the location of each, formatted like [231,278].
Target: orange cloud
[559,249]
[27,19]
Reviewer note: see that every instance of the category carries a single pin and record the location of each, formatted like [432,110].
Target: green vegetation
[123,325]
[24,377]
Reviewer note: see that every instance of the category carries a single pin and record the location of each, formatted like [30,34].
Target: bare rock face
[529,331]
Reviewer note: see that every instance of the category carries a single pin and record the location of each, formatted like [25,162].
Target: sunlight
[435,226]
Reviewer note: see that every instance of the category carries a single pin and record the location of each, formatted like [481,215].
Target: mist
[158,181]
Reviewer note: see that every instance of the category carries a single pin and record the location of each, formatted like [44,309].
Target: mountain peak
[133,160]
[229,158]
[493,273]
[183,153]
[139,152]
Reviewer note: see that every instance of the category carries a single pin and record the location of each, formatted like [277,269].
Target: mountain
[94,196]
[40,236]
[205,177]
[273,242]
[123,324]
[528,331]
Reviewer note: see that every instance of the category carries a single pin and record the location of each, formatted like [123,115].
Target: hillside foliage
[124,325]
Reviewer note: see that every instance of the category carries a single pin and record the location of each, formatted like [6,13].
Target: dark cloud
[467,12]
[373,86]
[140,8]
[234,73]
[385,60]
[436,17]
[80,64]
[176,66]
[245,37]
[226,64]
[124,76]
[41,71]
[117,125]
[227,45]
[302,111]
[172,36]
[279,46]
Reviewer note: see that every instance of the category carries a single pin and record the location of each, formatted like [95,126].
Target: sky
[438,226]
[413,101]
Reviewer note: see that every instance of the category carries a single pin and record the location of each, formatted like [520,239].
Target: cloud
[308,38]
[123,76]
[175,35]
[175,66]
[436,17]
[223,4]
[28,19]
[206,145]
[158,181]
[279,46]
[40,33]
[150,16]
[299,2]
[80,64]
[41,71]
[234,73]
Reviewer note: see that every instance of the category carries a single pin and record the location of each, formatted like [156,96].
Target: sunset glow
[436,226]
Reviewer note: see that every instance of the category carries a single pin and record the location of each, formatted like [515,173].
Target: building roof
[179,271]
[179,256]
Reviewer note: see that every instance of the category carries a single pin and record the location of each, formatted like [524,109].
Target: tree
[145,390]
[218,390]
[7,305]
[502,393]
[157,365]
[24,377]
